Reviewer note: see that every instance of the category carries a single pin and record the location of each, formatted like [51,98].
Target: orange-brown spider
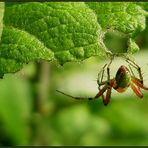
[123,79]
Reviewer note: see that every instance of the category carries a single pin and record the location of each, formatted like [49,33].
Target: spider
[123,79]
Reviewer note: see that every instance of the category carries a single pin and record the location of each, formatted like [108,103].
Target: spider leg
[100,93]
[100,81]
[132,63]
[106,100]
[108,96]
[102,74]
[136,91]
[138,83]
[108,69]
[131,70]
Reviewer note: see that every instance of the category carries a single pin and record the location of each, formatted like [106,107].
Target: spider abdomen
[122,79]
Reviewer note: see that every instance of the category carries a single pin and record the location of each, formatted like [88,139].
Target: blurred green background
[33,113]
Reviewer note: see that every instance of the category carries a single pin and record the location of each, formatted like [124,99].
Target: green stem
[40,135]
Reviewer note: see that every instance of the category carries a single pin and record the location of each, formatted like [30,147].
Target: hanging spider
[123,79]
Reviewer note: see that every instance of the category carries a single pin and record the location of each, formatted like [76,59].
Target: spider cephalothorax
[123,79]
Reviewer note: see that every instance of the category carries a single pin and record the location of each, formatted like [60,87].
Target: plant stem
[40,135]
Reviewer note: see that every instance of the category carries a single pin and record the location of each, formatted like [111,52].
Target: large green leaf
[63,31]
